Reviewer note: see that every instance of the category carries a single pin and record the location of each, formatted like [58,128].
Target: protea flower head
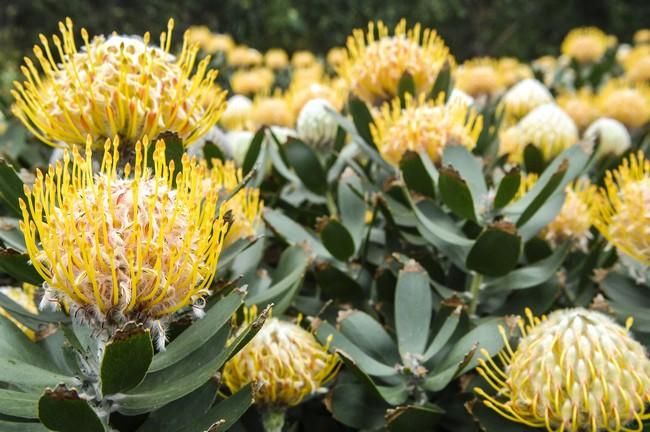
[276,58]
[138,246]
[576,370]
[613,137]
[642,36]
[336,56]
[243,56]
[252,81]
[316,125]
[237,112]
[424,125]
[329,90]
[522,98]
[479,77]
[622,208]
[115,86]
[272,110]
[626,102]
[512,71]
[208,41]
[546,127]
[303,59]
[586,44]
[637,64]
[376,61]
[285,359]
[581,106]
[573,223]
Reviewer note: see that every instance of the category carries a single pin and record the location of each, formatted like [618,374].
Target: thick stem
[474,290]
[273,419]
[331,205]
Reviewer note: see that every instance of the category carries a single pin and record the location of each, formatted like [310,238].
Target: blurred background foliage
[520,28]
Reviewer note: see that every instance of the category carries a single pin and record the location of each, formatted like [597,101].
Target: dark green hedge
[524,28]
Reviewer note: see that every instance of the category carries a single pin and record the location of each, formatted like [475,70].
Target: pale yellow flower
[285,360]
[252,81]
[626,102]
[622,208]
[115,86]
[586,44]
[424,125]
[276,58]
[125,247]
[642,36]
[376,61]
[336,56]
[303,59]
[511,71]
[479,76]
[522,98]
[576,370]
[243,56]
[637,64]
[273,110]
[581,106]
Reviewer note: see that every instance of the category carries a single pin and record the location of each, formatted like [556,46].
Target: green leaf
[393,395]
[355,405]
[305,163]
[254,152]
[17,266]
[337,240]
[352,208]
[549,188]
[533,159]
[175,417]
[529,276]
[286,279]
[7,426]
[366,333]
[414,418]
[211,151]
[11,188]
[19,373]
[455,193]
[19,404]
[501,237]
[199,332]
[362,120]
[338,284]
[405,86]
[508,187]
[625,291]
[443,83]
[127,357]
[163,387]
[443,335]
[62,410]
[485,335]
[365,362]
[293,233]
[468,166]
[413,308]
[225,413]
[416,175]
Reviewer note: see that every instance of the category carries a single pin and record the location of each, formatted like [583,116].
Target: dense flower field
[198,236]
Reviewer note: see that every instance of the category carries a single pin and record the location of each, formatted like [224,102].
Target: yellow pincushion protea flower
[424,126]
[581,106]
[252,81]
[303,59]
[244,56]
[479,76]
[208,41]
[237,112]
[511,71]
[622,208]
[576,370]
[301,95]
[336,56]
[637,64]
[131,247]
[376,61]
[626,102]
[285,359]
[273,110]
[546,127]
[306,76]
[245,206]
[586,44]
[115,86]
[276,58]
[642,36]
[573,223]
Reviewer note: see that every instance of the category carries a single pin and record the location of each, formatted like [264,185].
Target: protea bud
[316,124]
[613,137]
